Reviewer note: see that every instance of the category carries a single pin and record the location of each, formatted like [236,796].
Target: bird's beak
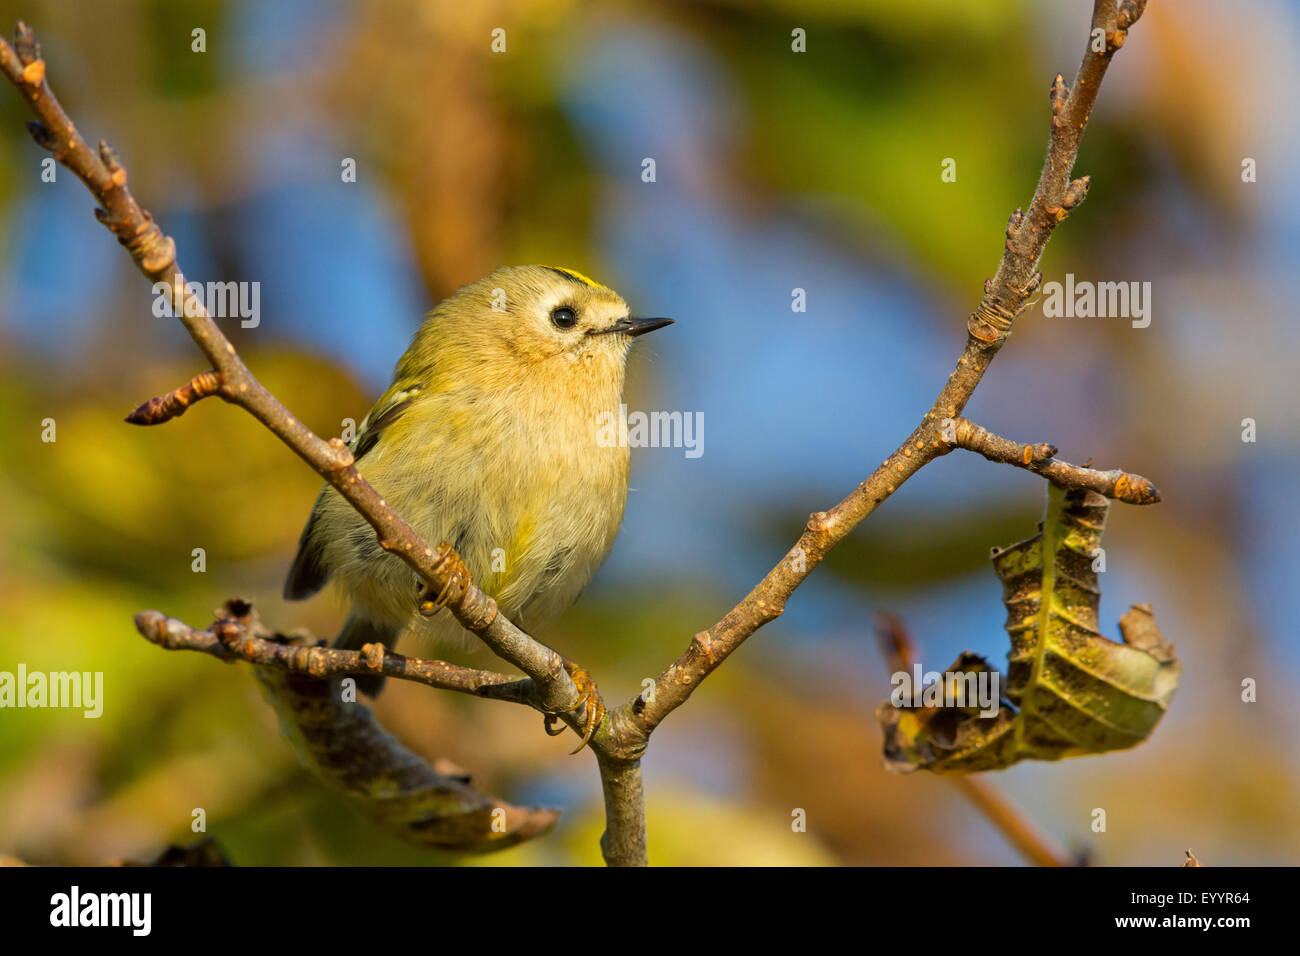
[634,327]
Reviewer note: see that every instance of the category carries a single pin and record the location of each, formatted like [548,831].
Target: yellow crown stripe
[577,277]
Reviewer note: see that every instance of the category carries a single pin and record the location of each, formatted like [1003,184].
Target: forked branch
[622,736]
[988,327]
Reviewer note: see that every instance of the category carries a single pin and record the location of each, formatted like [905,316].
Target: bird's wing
[308,573]
[387,410]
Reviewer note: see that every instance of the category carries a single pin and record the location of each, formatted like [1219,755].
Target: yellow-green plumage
[487,438]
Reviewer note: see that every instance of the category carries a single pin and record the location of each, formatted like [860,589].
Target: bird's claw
[590,699]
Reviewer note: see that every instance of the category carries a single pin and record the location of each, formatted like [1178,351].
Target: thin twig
[1040,459]
[174,403]
[231,638]
[1011,821]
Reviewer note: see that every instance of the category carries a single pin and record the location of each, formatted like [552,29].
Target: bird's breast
[531,494]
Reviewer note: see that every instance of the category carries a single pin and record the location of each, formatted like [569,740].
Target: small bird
[489,438]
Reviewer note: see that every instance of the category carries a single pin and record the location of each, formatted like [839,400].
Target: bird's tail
[359,631]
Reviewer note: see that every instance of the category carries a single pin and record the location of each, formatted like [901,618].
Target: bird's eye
[564,317]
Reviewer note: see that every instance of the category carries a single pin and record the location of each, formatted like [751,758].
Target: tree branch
[232,638]
[988,327]
[621,738]
[155,255]
[1040,459]
[346,748]
[1056,195]
[1010,820]
[623,842]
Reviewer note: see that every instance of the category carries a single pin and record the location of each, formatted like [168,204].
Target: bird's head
[533,320]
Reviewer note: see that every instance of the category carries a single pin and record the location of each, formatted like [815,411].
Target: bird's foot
[590,700]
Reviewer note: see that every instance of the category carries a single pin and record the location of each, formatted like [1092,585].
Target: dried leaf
[204,852]
[346,748]
[1069,691]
